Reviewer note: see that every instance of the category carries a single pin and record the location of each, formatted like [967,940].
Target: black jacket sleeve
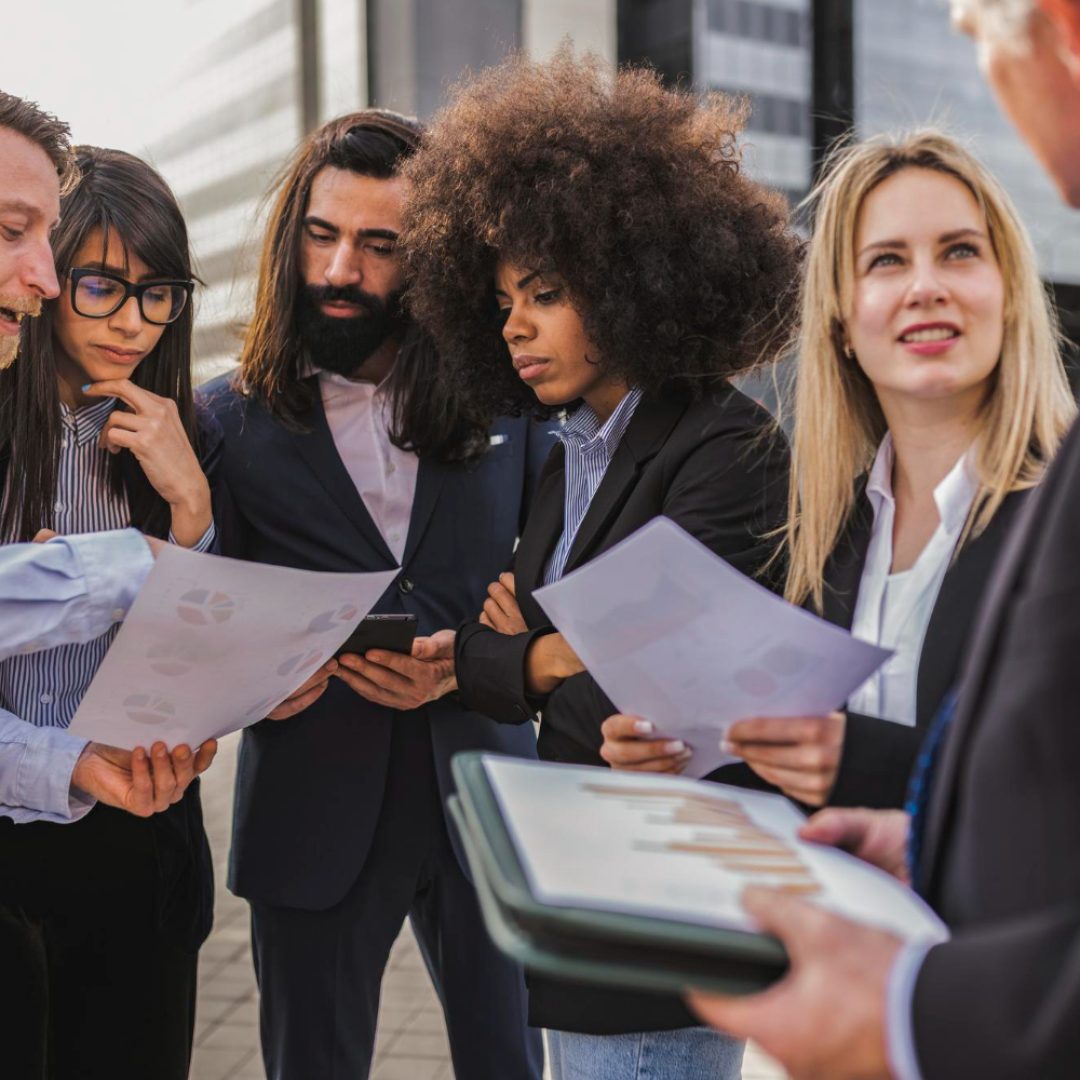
[491,671]
[730,494]
[876,762]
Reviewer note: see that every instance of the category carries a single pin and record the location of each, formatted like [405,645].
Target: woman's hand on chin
[153,432]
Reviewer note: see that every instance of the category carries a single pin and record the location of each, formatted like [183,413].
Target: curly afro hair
[682,269]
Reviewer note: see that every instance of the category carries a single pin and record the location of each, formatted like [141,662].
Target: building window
[759,22]
[774,114]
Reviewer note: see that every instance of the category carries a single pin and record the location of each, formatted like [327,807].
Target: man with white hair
[999,821]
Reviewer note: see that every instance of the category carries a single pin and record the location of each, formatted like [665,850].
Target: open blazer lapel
[316,447]
[649,427]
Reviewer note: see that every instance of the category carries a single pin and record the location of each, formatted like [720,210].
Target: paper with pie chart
[211,645]
[675,634]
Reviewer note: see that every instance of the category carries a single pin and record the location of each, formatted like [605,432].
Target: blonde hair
[838,421]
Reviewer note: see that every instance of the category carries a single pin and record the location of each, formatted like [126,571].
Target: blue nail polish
[87,387]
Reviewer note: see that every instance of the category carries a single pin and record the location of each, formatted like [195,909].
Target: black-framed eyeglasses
[97,294]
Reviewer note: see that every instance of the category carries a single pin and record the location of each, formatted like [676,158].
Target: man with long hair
[992,834]
[341,454]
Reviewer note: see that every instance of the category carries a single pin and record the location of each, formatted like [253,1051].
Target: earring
[849,352]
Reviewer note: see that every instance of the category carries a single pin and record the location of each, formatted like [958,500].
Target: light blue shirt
[589,447]
[72,589]
[900,1002]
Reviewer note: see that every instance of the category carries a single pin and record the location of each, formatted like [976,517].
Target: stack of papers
[672,848]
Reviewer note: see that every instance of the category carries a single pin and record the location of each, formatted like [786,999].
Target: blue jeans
[697,1053]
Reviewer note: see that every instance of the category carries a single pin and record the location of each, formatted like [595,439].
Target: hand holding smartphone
[394,633]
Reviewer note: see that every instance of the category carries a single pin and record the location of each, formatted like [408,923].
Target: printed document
[673,633]
[211,645]
[682,849]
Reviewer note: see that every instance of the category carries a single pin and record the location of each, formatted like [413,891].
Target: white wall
[589,23]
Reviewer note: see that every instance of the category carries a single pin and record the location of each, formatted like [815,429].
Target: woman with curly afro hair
[585,242]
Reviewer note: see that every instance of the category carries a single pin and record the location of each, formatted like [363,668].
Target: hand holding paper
[138,781]
[675,635]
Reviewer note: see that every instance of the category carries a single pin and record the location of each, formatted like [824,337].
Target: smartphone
[394,633]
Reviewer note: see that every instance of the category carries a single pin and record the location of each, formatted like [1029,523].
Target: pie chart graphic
[204,607]
[755,682]
[298,665]
[148,709]
[331,620]
[172,658]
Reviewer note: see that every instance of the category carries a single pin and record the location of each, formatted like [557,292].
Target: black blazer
[309,790]
[717,467]
[1001,851]
[878,756]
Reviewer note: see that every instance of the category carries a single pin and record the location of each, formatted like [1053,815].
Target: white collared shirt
[384,475]
[893,610]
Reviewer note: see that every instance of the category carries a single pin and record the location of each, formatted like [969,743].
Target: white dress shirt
[893,610]
[384,475]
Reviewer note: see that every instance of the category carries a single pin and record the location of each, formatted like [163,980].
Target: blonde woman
[930,395]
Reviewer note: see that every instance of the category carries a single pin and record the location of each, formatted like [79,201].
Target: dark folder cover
[588,944]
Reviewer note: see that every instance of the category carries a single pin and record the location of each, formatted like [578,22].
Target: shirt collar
[87,422]
[953,495]
[586,432]
[361,386]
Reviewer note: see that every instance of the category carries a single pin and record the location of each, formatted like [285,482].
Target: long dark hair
[125,198]
[424,418]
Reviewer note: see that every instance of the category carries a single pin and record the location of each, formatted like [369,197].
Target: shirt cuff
[114,566]
[44,777]
[204,543]
[899,995]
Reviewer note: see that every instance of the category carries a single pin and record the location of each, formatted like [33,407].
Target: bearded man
[341,455]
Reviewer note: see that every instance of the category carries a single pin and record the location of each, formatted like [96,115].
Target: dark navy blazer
[309,789]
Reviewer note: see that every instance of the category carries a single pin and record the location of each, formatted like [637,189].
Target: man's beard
[342,344]
[15,308]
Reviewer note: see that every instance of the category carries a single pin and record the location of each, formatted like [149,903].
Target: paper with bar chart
[683,849]
[212,645]
[673,633]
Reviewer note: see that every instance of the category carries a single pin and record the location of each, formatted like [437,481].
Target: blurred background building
[260,73]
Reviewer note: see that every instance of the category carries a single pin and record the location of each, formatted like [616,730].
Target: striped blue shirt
[589,447]
[44,688]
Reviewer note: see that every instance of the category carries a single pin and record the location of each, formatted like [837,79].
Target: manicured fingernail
[160,752]
[87,387]
[182,753]
[644,727]
[728,746]
[676,746]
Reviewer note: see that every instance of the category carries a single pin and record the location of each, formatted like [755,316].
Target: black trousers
[100,982]
[320,972]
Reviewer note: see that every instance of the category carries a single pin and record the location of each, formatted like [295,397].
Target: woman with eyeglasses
[98,430]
